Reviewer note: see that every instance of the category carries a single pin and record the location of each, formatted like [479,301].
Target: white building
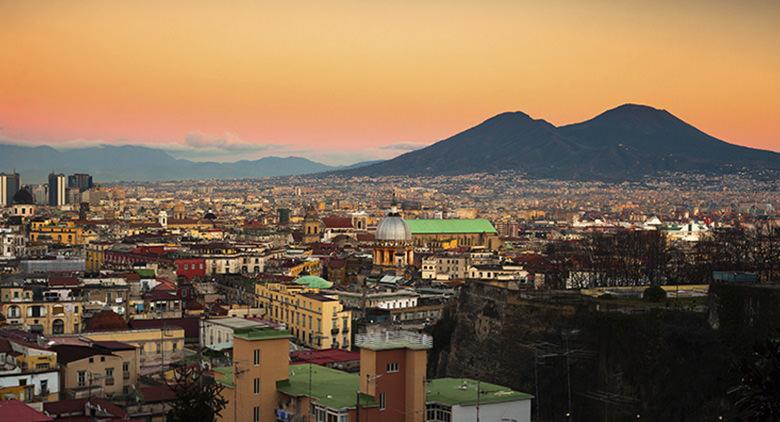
[466,400]
[217,333]
[385,299]
[12,243]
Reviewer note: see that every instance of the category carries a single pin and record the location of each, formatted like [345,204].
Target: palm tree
[757,398]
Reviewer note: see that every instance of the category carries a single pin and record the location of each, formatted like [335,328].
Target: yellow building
[29,372]
[260,357]
[95,256]
[48,316]
[156,347]
[62,232]
[315,320]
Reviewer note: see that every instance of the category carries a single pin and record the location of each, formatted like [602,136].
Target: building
[46,313]
[23,204]
[103,369]
[12,243]
[389,387]
[9,185]
[382,299]
[312,226]
[262,386]
[80,181]
[260,360]
[157,348]
[315,320]
[445,267]
[62,232]
[28,371]
[393,241]
[466,400]
[434,233]
[218,332]
[57,186]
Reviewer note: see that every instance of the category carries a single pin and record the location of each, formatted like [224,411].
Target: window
[125,370]
[392,367]
[82,378]
[256,386]
[175,346]
[382,402]
[109,376]
[257,357]
[44,385]
[58,327]
[256,414]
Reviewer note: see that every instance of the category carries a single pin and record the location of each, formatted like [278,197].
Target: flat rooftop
[464,392]
[236,322]
[328,387]
[390,340]
[260,333]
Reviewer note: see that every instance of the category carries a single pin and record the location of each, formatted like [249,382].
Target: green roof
[227,375]
[314,282]
[260,333]
[463,392]
[329,387]
[436,226]
[145,273]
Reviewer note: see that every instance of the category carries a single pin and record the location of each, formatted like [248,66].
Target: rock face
[648,356]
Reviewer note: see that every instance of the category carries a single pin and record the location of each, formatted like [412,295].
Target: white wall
[514,411]
[53,379]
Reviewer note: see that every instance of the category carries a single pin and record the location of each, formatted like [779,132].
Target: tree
[198,396]
[654,294]
[757,398]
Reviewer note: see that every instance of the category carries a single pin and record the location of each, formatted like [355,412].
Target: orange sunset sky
[344,81]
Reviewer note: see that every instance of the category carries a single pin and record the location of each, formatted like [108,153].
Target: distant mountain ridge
[627,142]
[136,163]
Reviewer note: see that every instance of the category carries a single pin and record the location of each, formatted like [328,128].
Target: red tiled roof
[14,410]
[337,222]
[63,281]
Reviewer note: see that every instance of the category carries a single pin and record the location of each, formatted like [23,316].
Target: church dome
[23,197]
[393,228]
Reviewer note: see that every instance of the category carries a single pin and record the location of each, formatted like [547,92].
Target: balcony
[109,381]
[394,339]
[334,331]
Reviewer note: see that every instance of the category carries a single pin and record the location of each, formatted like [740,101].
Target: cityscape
[173,247]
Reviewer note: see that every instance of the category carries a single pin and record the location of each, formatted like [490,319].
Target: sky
[346,81]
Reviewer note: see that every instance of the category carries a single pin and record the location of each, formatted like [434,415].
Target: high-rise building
[9,185]
[82,181]
[57,186]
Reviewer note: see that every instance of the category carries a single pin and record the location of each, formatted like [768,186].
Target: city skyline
[364,81]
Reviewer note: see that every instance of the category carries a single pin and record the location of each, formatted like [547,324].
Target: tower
[163,219]
[9,185]
[393,240]
[312,226]
[260,359]
[57,186]
[393,365]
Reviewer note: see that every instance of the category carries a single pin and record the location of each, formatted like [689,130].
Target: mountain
[627,142]
[114,163]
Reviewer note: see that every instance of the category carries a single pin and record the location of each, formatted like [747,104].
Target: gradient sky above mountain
[346,81]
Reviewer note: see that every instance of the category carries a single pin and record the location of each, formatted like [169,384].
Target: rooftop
[464,392]
[389,340]
[455,226]
[329,387]
[260,333]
